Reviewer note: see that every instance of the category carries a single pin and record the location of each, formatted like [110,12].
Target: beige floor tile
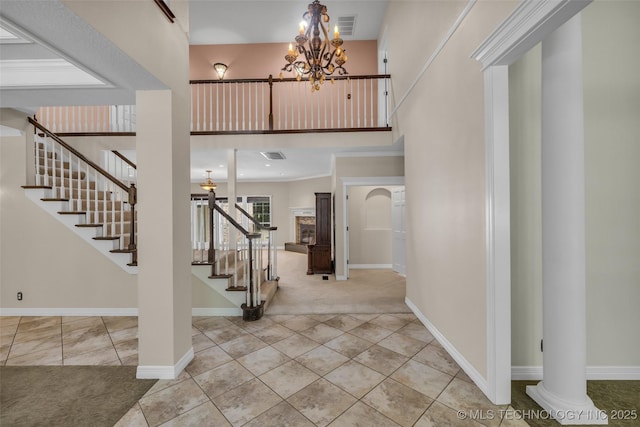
[246,402]
[321,402]
[224,334]
[263,360]
[31,323]
[299,323]
[48,357]
[200,416]
[223,378]
[9,322]
[371,332]
[463,376]
[361,415]
[209,323]
[6,339]
[381,359]
[322,360]
[52,342]
[163,384]
[364,316]
[344,322]
[124,334]
[4,353]
[417,331]
[273,333]
[402,344]
[130,360]
[321,333]
[118,323]
[464,396]
[409,317]
[288,378]
[279,318]
[422,378]
[355,378]
[283,414]
[127,349]
[400,403]
[37,334]
[252,326]
[390,322]
[242,346]
[201,342]
[439,415]
[206,360]
[167,404]
[133,418]
[437,357]
[295,345]
[106,356]
[349,345]
[81,323]
[84,341]
[321,317]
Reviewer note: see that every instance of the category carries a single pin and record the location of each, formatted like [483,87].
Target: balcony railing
[269,105]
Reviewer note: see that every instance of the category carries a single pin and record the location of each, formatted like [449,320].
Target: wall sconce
[220,69]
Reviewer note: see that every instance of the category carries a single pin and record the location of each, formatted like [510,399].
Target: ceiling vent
[273,155]
[346,25]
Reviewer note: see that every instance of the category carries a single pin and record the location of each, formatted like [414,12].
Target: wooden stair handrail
[291,79]
[124,158]
[254,221]
[79,155]
[233,222]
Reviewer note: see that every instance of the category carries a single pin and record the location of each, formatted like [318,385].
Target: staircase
[85,197]
[101,209]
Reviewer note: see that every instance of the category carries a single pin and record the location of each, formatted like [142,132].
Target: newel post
[270,102]
[133,199]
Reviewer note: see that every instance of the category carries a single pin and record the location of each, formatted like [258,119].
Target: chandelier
[314,55]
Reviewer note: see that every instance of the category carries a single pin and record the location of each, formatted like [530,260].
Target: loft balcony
[249,106]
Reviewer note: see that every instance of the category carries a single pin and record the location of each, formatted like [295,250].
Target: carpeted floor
[68,396]
[619,399]
[366,291]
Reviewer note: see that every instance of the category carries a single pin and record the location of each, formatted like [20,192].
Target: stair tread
[88,225]
[54,199]
[72,212]
[123,251]
[29,187]
[106,238]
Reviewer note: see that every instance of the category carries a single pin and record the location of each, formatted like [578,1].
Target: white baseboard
[108,312]
[467,367]
[165,372]
[371,266]
[216,312]
[68,311]
[341,277]
[534,373]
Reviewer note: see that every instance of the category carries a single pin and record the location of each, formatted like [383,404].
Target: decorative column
[562,392]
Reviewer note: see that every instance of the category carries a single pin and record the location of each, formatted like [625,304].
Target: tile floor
[295,370]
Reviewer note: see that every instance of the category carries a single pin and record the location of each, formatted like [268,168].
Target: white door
[398,230]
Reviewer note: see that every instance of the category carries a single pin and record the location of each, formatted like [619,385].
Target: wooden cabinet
[320,251]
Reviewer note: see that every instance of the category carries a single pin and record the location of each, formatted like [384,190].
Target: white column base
[564,412]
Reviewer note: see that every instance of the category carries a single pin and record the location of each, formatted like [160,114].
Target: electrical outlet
[19,296]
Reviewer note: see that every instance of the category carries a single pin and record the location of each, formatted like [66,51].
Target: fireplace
[305,229]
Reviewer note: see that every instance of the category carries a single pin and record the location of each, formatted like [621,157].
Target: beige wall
[441,120]
[612,132]
[357,167]
[370,225]
[40,257]
[242,59]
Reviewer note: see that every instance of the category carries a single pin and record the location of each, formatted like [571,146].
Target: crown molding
[529,23]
